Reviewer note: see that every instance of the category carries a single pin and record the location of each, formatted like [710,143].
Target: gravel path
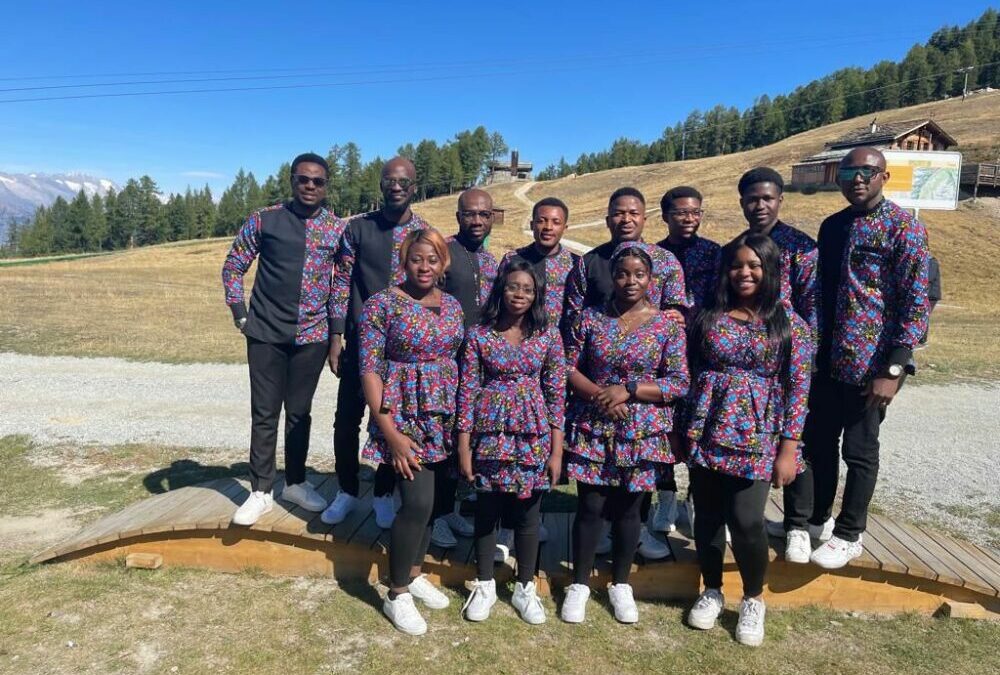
[940,455]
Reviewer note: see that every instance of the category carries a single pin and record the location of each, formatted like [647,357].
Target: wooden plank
[879,553]
[980,561]
[342,532]
[296,517]
[214,511]
[214,516]
[943,573]
[943,548]
[164,522]
[92,534]
[913,563]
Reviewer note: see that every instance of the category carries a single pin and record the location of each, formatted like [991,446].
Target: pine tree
[916,84]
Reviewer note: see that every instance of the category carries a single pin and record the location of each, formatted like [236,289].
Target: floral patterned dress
[740,404]
[630,453]
[414,349]
[510,398]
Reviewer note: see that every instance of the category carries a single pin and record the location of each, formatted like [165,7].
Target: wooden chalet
[820,170]
[504,171]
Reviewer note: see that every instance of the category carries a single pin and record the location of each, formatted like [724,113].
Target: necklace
[624,320]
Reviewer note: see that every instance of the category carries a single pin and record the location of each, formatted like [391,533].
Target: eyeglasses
[684,213]
[403,183]
[301,179]
[469,215]
[527,289]
[846,174]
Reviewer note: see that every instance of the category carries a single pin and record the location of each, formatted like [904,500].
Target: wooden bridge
[904,567]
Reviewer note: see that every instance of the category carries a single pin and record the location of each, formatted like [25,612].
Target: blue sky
[554,78]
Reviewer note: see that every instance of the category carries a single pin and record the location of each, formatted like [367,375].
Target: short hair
[625,192]
[550,201]
[312,158]
[425,236]
[679,192]
[536,320]
[762,174]
[630,251]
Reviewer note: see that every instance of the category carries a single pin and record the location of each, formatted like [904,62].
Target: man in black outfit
[367,262]
[287,328]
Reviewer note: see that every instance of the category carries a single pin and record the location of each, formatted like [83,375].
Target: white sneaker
[543,533]
[303,494]
[836,553]
[706,609]
[574,609]
[459,525]
[623,603]
[441,534]
[664,518]
[527,603]
[750,627]
[427,593]
[479,603]
[604,543]
[385,511]
[798,548]
[505,545]
[404,615]
[650,547]
[339,508]
[256,505]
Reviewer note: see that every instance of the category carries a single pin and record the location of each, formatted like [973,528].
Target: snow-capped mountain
[22,193]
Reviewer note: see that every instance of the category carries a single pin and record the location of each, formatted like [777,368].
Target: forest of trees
[136,216]
[927,73]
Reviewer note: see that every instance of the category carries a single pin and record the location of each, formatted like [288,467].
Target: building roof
[824,157]
[887,133]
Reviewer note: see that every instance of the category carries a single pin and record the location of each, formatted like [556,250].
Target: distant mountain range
[22,193]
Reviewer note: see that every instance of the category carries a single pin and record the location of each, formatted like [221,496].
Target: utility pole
[965,84]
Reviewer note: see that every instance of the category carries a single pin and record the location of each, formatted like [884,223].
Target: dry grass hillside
[165,302]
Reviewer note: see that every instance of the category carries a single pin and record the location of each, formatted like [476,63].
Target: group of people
[757,363]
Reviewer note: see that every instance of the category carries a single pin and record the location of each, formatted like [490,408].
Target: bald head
[475,216]
[862,176]
[398,165]
[864,157]
[474,196]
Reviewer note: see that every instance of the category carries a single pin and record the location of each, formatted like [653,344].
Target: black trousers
[621,507]
[720,500]
[281,375]
[347,429]
[836,409]
[411,529]
[524,516]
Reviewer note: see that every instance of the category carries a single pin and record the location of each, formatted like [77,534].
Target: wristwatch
[631,387]
[895,370]
[240,323]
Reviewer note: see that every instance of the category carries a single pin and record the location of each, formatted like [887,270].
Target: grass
[74,618]
[165,303]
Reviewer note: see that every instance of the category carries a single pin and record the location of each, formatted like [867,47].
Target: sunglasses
[469,215]
[300,179]
[404,183]
[846,174]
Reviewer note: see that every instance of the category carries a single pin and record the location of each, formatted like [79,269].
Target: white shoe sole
[243,522]
[750,641]
[701,624]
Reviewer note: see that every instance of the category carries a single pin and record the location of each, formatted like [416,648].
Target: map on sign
[923,179]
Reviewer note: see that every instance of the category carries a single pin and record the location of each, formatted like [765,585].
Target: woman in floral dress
[751,356]
[511,400]
[409,341]
[627,366]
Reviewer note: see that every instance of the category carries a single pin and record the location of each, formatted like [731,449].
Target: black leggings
[720,500]
[411,530]
[621,507]
[524,515]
